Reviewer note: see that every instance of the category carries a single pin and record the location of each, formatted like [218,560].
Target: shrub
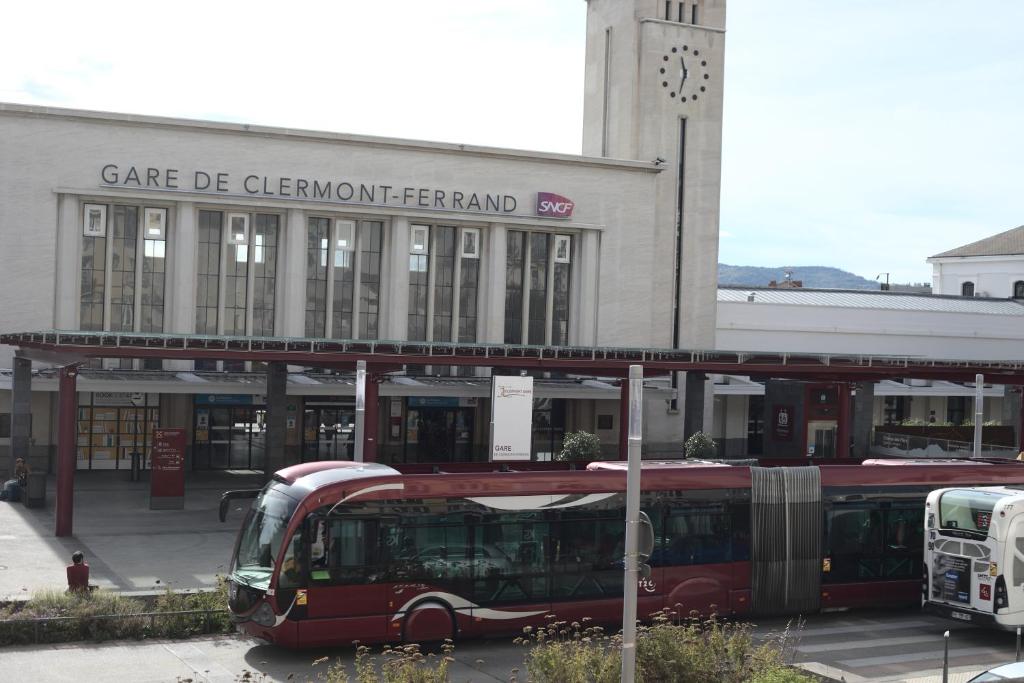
[580,446]
[105,615]
[700,446]
[405,664]
[667,650]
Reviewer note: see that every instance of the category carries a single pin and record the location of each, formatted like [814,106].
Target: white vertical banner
[511,417]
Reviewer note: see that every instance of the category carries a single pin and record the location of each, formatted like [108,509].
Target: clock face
[683,73]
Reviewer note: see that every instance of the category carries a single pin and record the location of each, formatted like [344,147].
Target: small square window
[563,248]
[238,228]
[94,220]
[155,223]
[344,235]
[470,243]
[420,242]
[604,422]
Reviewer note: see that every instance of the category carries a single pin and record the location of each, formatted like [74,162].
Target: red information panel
[167,464]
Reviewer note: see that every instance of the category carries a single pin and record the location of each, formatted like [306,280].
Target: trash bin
[34,494]
[136,465]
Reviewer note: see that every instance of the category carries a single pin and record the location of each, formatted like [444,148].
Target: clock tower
[653,92]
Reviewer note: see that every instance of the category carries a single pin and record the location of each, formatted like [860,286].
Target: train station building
[128,228]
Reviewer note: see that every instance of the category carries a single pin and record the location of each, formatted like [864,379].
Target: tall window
[371,245]
[537,282]
[264,264]
[94,268]
[122,281]
[318,240]
[1018,289]
[208,272]
[469,282]
[515,260]
[419,282]
[967,289]
[895,409]
[538,255]
[562,265]
[343,277]
[125,225]
[443,283]
[956,409]
[236,275]
[154,251]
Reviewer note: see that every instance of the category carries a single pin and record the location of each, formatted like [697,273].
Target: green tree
[580,446]
[700,446]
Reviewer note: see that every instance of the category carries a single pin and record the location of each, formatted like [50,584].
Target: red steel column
[1020,423]
[370,426]
[845,418]
[67,409]
[623,418]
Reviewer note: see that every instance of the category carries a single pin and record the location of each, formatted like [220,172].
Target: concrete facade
[993,276]
[642,228]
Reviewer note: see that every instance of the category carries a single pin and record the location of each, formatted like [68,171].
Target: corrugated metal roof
[1007,243]
[895,301]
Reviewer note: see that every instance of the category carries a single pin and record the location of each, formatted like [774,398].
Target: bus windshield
[967,510]
[261,538]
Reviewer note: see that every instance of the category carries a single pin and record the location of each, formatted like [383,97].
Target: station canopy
[61,347]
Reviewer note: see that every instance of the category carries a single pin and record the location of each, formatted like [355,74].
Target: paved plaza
[129,547]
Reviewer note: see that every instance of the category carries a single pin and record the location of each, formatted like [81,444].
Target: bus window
[697,535]
[587,554]
[967,510]
[854,543]
[291,569]
[344,551]
[904,540]
[509,558]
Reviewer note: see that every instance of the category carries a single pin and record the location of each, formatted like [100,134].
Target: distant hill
[812,276]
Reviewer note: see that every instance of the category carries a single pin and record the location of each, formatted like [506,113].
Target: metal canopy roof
[868,298]
[383,356]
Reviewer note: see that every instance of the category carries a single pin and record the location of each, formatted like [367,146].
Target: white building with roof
[992,267]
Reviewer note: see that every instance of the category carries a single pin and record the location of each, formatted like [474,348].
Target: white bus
[974,555]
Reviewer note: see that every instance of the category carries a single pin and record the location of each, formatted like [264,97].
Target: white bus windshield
[967,510]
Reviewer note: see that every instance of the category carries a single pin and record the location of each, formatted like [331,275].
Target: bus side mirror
[645,539]
[228,496]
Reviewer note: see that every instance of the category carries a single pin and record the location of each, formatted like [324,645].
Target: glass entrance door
[229,437]
[328,433]
[436,434]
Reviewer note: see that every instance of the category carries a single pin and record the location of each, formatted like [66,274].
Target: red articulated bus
[333,552]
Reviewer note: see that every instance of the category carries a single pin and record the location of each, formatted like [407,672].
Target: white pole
[632,558]
[360,410]
[979,412]
[945,657]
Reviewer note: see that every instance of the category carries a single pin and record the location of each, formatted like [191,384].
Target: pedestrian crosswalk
[890,646]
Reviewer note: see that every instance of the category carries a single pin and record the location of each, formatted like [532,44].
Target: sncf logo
[554,205]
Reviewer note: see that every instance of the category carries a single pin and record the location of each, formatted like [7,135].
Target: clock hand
[683,73]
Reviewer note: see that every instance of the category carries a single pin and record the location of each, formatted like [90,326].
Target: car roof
[1011,670]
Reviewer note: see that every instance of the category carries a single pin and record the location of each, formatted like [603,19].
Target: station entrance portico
[257,435]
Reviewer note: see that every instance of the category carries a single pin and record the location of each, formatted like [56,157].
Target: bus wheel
[428,622]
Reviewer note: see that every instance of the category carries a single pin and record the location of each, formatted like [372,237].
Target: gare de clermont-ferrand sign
[548,205]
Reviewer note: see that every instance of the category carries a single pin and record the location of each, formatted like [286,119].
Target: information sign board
[167,469]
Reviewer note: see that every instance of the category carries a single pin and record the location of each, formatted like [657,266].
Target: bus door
[346,598]
[1012,567]
[587,572]
[697,554]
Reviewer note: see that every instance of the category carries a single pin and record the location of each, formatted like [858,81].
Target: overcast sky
[864,135]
